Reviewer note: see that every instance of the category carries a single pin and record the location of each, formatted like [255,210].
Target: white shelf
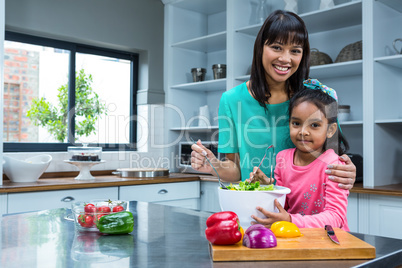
[395,61]
[351,123]
[250,30]
[394,4]
[340,69]
[243,78]
[389,121]
[341,16]
[210,85]
[195,129]
[209,43]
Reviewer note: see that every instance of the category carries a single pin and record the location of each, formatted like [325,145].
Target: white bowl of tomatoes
[87,214]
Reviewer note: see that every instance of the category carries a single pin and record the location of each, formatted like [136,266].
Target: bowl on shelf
[343,113]
[86,216]
[28,170]
[244,203]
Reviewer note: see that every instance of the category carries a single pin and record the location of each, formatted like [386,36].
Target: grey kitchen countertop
[163,236]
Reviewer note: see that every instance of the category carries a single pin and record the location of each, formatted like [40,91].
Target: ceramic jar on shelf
[291,5]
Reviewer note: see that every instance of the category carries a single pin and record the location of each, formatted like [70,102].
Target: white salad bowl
[244,203]
[28,170]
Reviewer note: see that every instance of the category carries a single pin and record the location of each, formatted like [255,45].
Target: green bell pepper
[116,223]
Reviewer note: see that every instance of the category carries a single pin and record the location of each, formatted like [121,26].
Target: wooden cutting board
[313,245]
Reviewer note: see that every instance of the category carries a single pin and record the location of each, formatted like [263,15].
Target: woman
[254,115]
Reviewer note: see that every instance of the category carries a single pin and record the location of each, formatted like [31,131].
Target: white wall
[130,25]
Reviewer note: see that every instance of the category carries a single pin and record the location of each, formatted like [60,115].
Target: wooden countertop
[105,179]
[390,190]
[63,183]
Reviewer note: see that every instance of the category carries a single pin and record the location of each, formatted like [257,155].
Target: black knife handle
[329,230]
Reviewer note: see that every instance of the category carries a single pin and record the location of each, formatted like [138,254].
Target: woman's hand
[198,161]
[345,175]
[259,176]
[272,217]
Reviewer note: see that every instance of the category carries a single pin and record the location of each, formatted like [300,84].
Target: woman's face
[309,128]
[281,61]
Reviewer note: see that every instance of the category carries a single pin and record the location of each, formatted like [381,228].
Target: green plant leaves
[88,109]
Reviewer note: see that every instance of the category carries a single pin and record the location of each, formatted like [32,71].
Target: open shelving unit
[222,33]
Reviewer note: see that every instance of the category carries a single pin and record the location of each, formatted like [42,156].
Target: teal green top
[246,128]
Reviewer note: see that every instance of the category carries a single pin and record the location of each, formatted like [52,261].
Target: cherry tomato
[86,221]
[99,216]
[90,208]
[118,208]
[104,209]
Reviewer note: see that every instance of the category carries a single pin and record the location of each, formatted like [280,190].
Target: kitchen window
[58,94]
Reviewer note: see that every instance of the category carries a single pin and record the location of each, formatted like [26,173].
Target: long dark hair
[329,107]
[286,27]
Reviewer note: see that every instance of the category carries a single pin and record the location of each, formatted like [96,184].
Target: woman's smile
[281,69]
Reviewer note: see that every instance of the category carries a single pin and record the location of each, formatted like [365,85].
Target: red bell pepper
[223,228]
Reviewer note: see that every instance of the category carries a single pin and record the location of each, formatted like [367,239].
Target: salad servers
[219,179]
[266,150]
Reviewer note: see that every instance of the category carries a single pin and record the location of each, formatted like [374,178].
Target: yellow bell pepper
[285,229]
[242,234]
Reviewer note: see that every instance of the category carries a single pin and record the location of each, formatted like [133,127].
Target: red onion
[258,236]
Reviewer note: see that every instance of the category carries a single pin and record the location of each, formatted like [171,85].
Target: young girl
[315,200]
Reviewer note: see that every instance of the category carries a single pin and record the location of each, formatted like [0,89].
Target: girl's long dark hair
[329,107]
[286,27]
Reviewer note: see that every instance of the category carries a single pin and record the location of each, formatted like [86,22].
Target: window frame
[87,49]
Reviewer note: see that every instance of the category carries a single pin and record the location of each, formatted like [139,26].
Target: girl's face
[309,128]
[281,61]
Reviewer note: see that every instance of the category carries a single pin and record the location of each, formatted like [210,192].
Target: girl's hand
[259,176]
[345,175]
[198,161]
[272,217]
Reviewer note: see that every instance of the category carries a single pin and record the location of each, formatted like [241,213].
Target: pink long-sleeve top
[314,201]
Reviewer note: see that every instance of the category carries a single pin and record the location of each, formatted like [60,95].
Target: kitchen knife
[331,234]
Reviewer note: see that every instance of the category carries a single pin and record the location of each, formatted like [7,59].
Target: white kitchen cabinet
[182,194]
[353,212]
[209,200]
[375,214]
[385,216]
[34,201]
[3,203]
